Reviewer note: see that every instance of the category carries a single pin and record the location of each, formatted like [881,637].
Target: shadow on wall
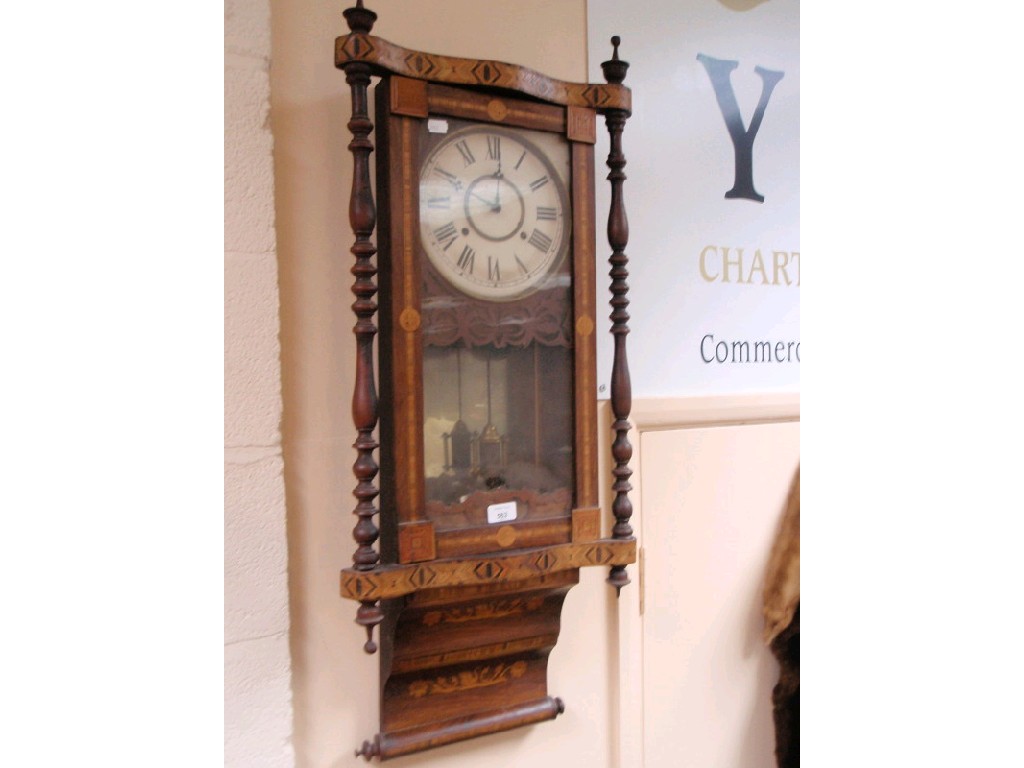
[741,5]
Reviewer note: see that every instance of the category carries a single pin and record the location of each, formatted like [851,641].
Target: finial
[370,749]
[369,646]
[360,20]
[615,69]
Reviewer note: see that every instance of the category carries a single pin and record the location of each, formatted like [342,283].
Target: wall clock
[484,272]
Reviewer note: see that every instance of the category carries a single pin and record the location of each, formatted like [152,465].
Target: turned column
[621,392]
[363,217]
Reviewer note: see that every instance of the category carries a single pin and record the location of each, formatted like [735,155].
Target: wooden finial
[360,20]
[615,69]
[370,749]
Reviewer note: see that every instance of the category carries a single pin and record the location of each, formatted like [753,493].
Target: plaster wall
[257,669]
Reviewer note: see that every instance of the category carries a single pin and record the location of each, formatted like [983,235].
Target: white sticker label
[501,513]
[437,126]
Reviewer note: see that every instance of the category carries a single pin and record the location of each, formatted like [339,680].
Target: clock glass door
[495,263]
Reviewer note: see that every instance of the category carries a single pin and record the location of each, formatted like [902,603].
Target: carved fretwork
[621,394]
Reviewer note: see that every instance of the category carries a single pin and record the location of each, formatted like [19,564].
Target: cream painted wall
[257,679]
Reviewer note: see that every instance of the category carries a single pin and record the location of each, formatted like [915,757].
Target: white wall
[257,673]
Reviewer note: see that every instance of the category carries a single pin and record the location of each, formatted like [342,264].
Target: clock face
[494,213]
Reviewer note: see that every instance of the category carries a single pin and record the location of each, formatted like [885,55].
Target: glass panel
[497,361]
[497,428]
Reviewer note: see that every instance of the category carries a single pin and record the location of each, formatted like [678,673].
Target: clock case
[468,616]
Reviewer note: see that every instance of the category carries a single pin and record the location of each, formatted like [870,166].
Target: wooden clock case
[468,616]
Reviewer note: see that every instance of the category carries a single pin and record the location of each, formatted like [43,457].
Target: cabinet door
[712,501]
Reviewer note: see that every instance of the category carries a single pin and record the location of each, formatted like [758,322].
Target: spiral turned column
[621,390]
[363,217]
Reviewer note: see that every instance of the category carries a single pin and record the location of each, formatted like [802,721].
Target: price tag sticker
[437,126]
[501,513]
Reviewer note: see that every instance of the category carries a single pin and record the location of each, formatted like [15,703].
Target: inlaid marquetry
[481,677]
[389,581]
[387,58]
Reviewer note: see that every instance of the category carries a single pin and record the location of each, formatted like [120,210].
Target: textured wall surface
[257,663]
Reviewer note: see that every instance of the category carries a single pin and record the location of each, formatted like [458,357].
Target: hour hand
[493,205]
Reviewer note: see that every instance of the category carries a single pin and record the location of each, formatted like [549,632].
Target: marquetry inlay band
[491,609]
[481,677]
[389,581]
[387,57]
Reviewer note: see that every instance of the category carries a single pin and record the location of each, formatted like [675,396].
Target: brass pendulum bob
[492,444]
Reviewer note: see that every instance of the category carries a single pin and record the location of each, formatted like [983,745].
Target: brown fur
[782,629]
[782,580]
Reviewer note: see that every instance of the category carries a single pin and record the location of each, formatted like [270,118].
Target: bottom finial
[370,749]
[618,578]
[369,615]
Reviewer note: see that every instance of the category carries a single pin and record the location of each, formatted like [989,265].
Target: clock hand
[497,182]
[493,206]
[483,200]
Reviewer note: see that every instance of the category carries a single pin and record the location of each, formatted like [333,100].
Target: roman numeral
[521,265]
[545,214]
[540,241]
[467,259]
[450,177]
[446,235]
[521,158]
[494,148]
[538,183]
[493,269]
[463,148]
[444,202]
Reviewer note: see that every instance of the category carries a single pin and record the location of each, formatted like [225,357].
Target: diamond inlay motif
[544,561]
[487,72]
[595,96]
[488,569]
[420,64]
[357,47]
[423,576]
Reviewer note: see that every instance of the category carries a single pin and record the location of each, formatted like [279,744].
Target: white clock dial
[493,213]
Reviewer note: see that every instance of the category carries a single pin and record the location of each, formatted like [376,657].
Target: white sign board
[712,193]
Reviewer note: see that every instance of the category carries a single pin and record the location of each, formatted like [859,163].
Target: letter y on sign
[742,138]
